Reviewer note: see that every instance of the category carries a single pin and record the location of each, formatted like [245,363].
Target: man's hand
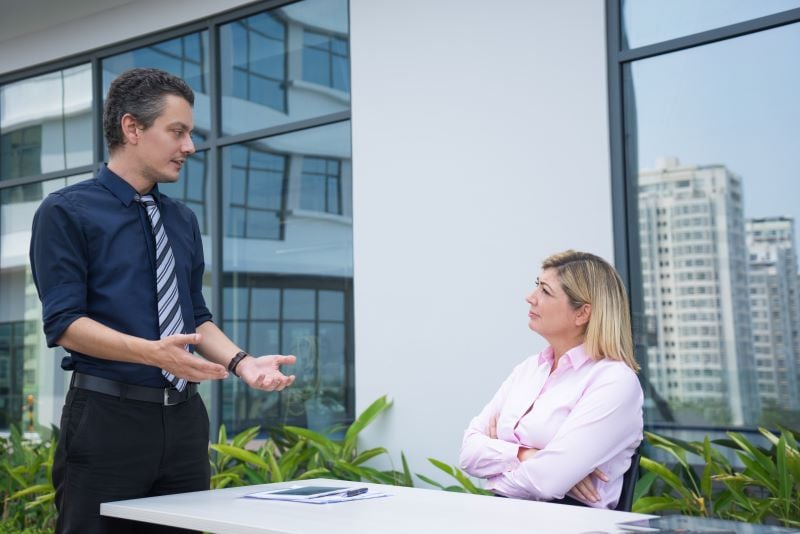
[584,490]
[264,372]
[170,354]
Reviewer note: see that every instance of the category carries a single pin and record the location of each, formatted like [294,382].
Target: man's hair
[141,93]
[589,279]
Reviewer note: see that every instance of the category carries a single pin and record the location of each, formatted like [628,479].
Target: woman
[568,420]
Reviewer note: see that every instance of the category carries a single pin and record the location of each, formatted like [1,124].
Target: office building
[694,267]
[774,307]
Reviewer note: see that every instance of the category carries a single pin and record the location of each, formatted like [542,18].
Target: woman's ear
[583,314]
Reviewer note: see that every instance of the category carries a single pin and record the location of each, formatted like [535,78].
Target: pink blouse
[586,414]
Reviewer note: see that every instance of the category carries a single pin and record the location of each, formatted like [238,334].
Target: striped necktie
[170,320]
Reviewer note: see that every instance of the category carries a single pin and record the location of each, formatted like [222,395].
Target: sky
[733,103]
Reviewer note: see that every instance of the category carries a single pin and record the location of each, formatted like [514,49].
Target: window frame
[624,192]
[214,144]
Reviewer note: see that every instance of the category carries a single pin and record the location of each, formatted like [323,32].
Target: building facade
[774,290]
[694,266]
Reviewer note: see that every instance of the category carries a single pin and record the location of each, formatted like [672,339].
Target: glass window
[290,294]
[326,60]
[650,21]
[255,180]
[285,204]
[30,376]
[186,57]
[320,185]
[712,144]
[192,188]
[284,65]
[46,123]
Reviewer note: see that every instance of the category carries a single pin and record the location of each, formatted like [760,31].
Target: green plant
[290,453]
[766,489]
[465,484]
[26,484]
[294,453]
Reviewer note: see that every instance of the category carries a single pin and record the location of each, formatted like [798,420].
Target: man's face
[164,146]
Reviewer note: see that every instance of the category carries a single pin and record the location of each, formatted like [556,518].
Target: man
[118,267]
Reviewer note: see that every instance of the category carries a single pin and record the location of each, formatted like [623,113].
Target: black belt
[166,396]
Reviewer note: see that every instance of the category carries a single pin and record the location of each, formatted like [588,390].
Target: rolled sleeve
[58,255]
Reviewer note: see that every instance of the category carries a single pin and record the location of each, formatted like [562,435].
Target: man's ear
[130,129]
[583,314]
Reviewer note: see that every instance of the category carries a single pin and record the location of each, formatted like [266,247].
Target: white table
[406,511]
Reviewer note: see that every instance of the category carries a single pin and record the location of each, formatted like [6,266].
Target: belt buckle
[167,401]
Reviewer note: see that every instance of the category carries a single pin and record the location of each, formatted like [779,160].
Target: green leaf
[430,481]
[784,483]
[762,460]
[643,485]
[38,488]
[443,466]
[756,472]
[648,505]
[327,447]
[275,470]
[362,421]
[242,455]
[244,437]
[319,472]
[669,478]
[705,479]
[408,480]
[368,455]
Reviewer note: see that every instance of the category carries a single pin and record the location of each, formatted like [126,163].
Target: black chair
[629,480]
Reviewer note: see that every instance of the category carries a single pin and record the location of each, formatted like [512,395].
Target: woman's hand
[585,490]
[524,453]
[491,431]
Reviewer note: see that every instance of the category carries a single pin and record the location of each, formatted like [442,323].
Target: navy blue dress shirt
[93,255]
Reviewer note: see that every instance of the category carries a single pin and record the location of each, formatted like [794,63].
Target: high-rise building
[775,309]
[694,271]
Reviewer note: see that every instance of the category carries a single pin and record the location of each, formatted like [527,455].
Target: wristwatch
[241,355]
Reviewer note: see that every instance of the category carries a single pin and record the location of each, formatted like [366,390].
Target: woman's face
[551,314]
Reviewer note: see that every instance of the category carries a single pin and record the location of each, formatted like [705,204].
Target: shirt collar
[576,356]
[120,188]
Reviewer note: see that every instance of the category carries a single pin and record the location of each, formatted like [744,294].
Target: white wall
[480,146]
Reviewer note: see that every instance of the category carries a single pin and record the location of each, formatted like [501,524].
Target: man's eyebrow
[181,124]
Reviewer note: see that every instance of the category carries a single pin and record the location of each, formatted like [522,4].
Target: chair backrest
[629,484]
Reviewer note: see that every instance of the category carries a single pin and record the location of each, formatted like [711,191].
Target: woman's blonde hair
[589,279]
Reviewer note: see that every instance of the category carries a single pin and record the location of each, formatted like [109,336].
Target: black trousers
[111,449]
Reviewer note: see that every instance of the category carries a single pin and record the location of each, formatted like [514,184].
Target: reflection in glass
[186,57]
[255,187]
[45,123]
[650,21]
[29,373]
[285,64]
[192,189]
[288,291]
[713,140]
